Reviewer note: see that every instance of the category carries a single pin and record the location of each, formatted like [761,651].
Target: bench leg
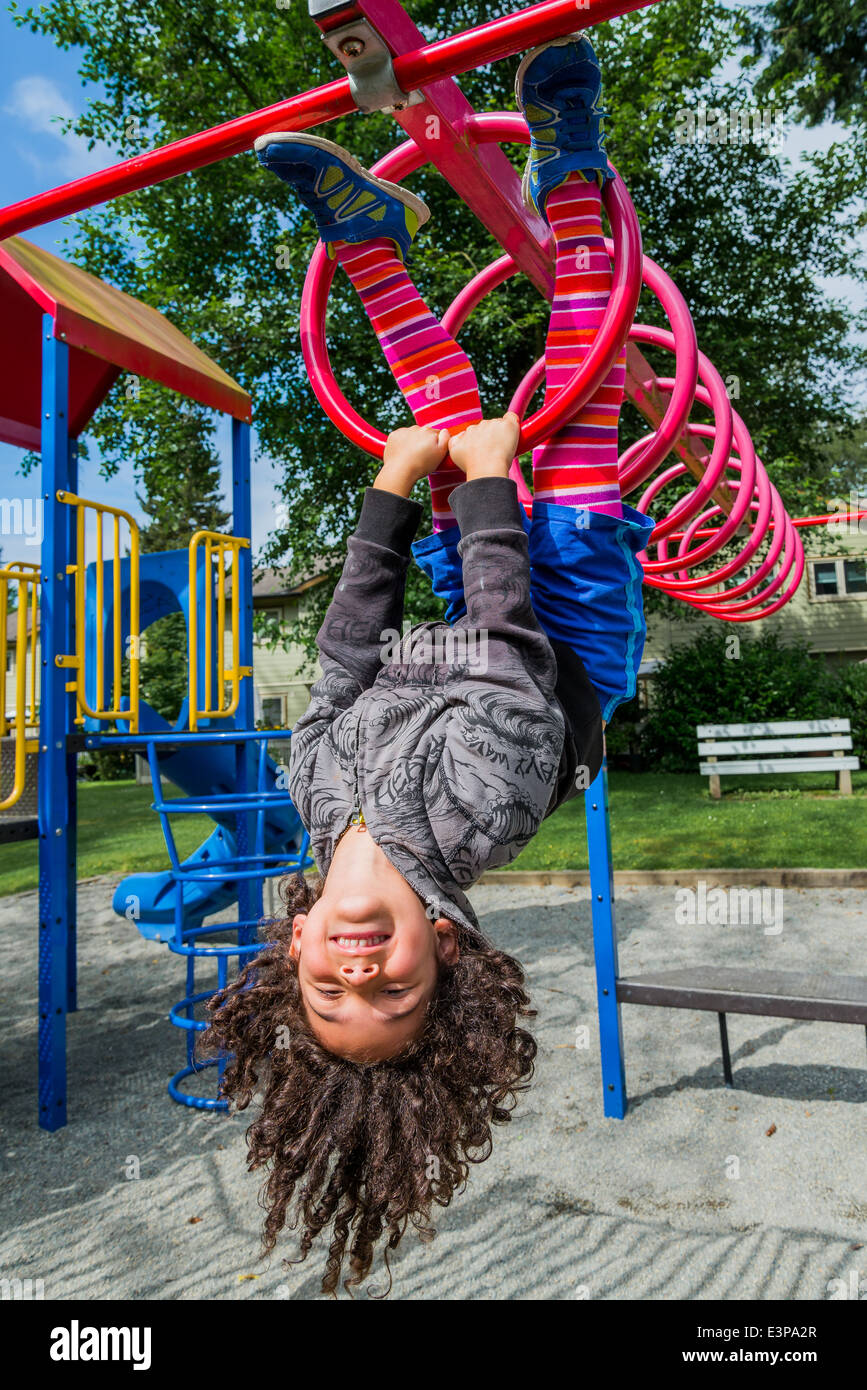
[726,1055]
[715,789]
[844,782]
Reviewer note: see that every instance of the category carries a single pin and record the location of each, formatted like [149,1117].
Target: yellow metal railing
[215,548]
[24,719]
[77,660]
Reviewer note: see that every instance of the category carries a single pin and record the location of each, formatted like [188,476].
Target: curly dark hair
[368,1148]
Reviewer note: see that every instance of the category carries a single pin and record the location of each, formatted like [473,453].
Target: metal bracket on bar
[368,64]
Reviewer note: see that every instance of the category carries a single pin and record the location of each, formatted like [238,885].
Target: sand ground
[689,1197]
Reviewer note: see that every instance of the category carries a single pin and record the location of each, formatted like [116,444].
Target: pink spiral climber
[733,506]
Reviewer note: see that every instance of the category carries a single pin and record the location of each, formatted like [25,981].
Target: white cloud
[36,102]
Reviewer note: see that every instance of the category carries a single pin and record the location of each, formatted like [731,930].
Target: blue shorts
[585,585]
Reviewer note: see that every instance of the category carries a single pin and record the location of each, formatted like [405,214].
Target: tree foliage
[817,52]
[223,252]
[164,678]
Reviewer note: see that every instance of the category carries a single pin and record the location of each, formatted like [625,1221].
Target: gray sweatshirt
[454,742]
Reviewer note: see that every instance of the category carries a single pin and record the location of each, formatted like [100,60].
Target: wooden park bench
[799,745]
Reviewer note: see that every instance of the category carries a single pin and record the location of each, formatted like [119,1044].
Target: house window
[825,579]
[838,579]
[855,576]
[272,712]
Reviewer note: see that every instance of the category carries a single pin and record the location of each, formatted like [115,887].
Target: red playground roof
[108,332]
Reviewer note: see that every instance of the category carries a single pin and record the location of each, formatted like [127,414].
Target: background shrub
[102,766]
[702,684]
[852,681]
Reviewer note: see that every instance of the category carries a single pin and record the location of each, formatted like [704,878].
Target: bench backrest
[797,740]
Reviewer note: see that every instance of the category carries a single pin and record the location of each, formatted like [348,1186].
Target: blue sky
[39,82]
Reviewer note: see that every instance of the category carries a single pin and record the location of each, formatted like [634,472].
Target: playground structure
[90,606]
[389,67]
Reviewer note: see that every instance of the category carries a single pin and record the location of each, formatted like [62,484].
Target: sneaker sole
[403,195]
[534,53]
[519,77]
[525,187]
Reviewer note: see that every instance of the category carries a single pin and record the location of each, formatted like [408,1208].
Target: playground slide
[202,771]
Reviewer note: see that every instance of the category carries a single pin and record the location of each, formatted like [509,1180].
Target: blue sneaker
[348,202]
[558,87]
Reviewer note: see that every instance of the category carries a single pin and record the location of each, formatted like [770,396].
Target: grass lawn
[668,821]
[118,834]
[658,821]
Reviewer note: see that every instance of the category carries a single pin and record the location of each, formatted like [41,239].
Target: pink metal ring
[683,343]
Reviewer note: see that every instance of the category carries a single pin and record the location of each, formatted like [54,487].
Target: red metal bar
[829,516]
[502,38]
[796,521]
[499,38]
[180,157]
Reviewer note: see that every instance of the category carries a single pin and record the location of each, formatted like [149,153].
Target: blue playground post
[242,525]
[605,945]
[56,784]
[72,764]
[250,905]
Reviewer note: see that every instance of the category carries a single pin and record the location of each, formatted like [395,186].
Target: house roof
[280,583]
[108,332]
[12,623]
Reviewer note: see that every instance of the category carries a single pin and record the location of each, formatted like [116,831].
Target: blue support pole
[72,763]
[56,798]
[242,525]
[605,946]
[249,892]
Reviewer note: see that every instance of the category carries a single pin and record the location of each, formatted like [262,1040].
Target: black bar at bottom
[12,830]
[726,1055]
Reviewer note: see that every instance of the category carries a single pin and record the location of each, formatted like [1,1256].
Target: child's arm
[494,551]
[368,600]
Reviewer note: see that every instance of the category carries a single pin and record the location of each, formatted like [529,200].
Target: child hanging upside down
[384,1026]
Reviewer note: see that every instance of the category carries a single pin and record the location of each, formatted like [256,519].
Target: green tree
[164,670]
[182,490]
[224,251]
[817,56]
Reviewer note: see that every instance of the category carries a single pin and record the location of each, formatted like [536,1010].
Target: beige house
[829,610]
[8,683]
[282,675]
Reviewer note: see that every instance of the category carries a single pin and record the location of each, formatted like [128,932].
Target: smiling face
[368,954]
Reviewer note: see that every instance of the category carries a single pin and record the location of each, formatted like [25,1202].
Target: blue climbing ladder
[246,870]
